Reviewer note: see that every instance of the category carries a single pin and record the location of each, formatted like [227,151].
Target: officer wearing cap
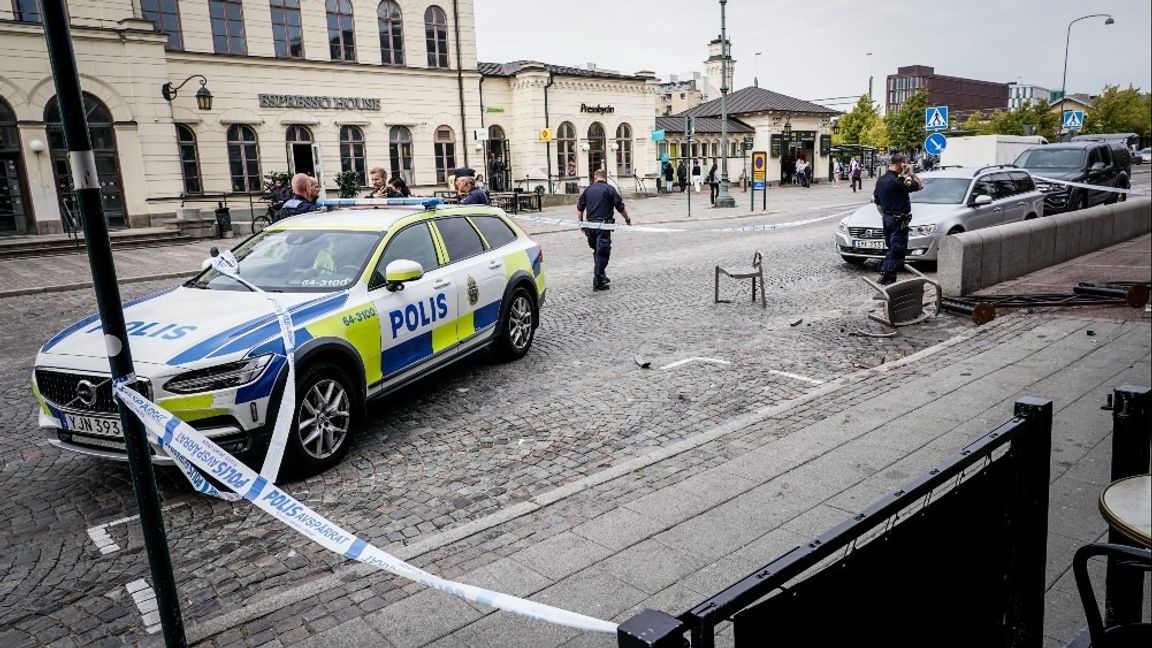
[305,190]
[894,205]
[600,201]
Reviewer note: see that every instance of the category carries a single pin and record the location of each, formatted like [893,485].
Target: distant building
[962,96]
[713,69]
[1020,94]
[676,95]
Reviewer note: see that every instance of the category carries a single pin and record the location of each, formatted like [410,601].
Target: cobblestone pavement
[473,440]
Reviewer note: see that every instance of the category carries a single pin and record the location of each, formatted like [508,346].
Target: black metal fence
[956,557]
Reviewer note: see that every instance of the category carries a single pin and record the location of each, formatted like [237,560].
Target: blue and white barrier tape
[183,441]
[614,227]
[1081,185]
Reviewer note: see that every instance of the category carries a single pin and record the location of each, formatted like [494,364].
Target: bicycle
[261,222]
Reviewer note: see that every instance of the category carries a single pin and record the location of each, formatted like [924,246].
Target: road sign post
[936,118]
[935,144]
[759,178]
[1073,121]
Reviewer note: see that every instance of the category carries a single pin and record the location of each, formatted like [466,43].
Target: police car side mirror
[980,201]
[400,271]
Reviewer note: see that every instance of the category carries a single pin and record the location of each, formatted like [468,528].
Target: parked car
[1101,163]
[1144,156]
[953,200]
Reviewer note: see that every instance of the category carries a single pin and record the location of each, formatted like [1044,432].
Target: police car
[378,297]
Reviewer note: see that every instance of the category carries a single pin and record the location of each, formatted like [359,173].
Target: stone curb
[88,284]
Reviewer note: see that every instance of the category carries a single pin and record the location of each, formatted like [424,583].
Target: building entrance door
[103,136]
[499,172]
[13,219]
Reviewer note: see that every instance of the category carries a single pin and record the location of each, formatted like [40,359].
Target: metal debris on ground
[797,323]
[982,308]
[642,363]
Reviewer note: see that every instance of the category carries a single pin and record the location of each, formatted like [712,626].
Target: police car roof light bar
[427,203]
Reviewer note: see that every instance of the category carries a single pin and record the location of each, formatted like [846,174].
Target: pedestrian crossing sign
[1073,119]
[936,118]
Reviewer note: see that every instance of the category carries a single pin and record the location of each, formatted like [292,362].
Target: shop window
[189,159]
[400,153]
[391,33]
[26,11]
[165,15]
[623,150]
[436,37]
[227,26]
[287,30]
[566,150]
[341,39]
[102,134]
[445,150]
[243,158]
[352,156]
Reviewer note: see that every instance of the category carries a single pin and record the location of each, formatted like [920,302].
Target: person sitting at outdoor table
[469,193]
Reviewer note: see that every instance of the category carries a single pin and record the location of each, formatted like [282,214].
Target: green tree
[875,135]
[854,122]
[975,123]
[1032,118]
[905,127]
[1119,110]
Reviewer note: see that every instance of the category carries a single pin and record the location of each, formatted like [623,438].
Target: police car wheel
[324,421]
[517,327]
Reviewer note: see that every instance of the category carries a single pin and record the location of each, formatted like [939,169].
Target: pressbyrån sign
[597,109]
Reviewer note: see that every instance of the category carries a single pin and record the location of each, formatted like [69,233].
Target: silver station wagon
[953,200]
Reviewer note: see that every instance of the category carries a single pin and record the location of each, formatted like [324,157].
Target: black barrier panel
[934,579]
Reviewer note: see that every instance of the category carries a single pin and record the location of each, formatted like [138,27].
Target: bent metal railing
[955,558]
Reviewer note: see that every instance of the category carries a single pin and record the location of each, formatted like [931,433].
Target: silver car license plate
[109,427]
[868,245]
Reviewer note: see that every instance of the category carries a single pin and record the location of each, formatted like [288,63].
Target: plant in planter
[349,183]
[271,177]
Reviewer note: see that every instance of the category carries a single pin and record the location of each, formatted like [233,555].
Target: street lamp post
[723,198]
[1067,41]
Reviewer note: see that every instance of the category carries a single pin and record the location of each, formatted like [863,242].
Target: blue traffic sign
[1073,119]
[936,117]
[935,144]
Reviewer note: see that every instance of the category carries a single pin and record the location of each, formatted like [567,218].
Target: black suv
[1093,163]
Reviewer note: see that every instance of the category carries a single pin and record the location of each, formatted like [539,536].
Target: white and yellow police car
[378,297]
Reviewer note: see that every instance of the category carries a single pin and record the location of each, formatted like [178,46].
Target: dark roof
[511,69]
[756,100]
[703,125]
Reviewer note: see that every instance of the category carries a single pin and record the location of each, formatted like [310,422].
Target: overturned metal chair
[904,300]
[755,273]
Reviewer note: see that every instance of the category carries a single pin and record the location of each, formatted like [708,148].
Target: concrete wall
[985,257]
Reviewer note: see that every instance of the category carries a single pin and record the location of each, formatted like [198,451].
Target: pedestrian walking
[891,198]
[598,204]
[837,168]
[713,181]
[802,172]
[682,176]
[669,176]
[697,179]
[855,174]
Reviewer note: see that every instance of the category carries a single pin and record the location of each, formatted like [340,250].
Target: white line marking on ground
[685,361]
[796,377]
[103,540]
[145,599]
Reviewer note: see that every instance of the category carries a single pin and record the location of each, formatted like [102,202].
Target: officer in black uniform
[891,198]
[600,200]
[305,190]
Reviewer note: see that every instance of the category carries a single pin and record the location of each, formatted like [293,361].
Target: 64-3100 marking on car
[359,316]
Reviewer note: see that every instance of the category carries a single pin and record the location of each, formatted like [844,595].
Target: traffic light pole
[86,183]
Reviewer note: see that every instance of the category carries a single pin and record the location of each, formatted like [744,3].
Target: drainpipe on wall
[460,76]
[547,124]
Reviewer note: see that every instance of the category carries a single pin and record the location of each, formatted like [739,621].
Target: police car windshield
[941,191]
[297,261]
[1040,158]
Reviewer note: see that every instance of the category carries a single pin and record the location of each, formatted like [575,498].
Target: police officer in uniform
[305,190]
[599,201]
[469,193]
[891,198]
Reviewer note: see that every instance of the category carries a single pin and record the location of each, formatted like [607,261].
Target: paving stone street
[465,472]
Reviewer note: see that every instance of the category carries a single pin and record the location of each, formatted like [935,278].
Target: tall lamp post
[1067,40]
[723,198]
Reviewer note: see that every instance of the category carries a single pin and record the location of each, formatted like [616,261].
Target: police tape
[181,440]
[1082,185]
[616,227]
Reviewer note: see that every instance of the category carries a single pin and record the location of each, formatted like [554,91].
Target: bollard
[1123,589]
[224,220]
[651,629]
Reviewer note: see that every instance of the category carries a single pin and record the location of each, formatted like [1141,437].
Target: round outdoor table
[1127,507]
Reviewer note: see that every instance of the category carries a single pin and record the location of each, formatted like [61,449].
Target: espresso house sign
[318,103]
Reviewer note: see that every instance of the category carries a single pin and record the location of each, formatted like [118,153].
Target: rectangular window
[227,26]
[26,11]
[165,15]
[287,33]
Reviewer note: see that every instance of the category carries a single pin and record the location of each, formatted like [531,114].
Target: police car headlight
[923,230]
[842,227]
[232,374]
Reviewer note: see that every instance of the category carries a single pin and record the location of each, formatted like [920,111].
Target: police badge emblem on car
[473,291]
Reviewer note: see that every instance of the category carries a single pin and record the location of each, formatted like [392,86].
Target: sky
[819,49]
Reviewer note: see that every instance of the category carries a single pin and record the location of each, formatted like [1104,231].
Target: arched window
[352,151]
[445,149]
[566,150]
[13,218]
[400,153]
[26,10]
[165,15]
[296,134]
[597,146]
[227,26]
[623,150]
[189,159]
[287,33]
[243,158]
[391,33]
[436,36]
[103,136]
[341,39]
